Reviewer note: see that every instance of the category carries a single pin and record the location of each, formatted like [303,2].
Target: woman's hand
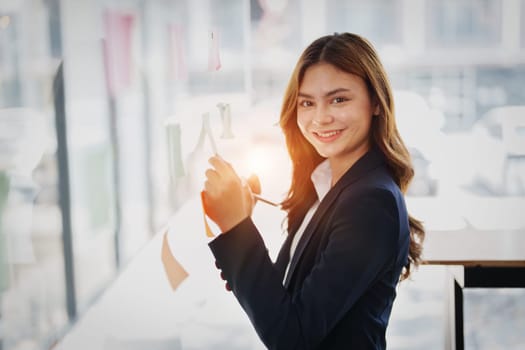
[227,198]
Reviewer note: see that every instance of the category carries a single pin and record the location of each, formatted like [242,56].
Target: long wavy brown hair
[352,54]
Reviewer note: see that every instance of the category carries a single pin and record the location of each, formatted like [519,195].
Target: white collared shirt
[322,179]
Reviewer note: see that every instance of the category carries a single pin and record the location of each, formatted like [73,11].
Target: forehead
[324,77]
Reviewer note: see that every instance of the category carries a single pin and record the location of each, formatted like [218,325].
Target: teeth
[328,134]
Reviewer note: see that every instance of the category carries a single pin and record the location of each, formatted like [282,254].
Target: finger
[254,183]
[209,190]
[221,166]
[248,196]
[212,175]
[246,186]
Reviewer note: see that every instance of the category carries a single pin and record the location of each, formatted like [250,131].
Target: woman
[350,238]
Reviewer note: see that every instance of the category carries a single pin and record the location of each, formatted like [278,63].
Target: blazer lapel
[371,160]
[284,256]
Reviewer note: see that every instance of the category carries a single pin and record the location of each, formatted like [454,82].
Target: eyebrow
[328,94]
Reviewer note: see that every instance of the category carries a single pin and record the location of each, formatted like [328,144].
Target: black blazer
[342,279]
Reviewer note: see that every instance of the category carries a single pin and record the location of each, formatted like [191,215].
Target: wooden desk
[476,259]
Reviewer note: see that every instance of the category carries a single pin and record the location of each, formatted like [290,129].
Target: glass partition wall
[74,180]
[95,159]
[33,308]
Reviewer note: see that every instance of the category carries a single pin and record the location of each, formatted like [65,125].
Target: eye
[339,100]
[305,103]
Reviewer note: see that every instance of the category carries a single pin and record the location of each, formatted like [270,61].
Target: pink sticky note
[177,54]
[214,61]
[118,50]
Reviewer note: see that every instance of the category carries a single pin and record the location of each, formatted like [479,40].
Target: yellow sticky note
[206,225]
[174,270]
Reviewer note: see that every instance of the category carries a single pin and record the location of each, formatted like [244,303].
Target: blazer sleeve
[362,241]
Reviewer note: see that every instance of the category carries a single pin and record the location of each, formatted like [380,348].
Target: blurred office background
[102,104]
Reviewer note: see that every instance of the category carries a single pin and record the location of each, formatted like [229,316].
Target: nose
[322,115]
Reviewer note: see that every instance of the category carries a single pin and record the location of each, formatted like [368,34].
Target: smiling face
[334,113]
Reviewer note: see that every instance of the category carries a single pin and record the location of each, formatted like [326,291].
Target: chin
[327,153]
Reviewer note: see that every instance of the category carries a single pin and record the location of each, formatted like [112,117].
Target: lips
[327,136]
[328,133]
